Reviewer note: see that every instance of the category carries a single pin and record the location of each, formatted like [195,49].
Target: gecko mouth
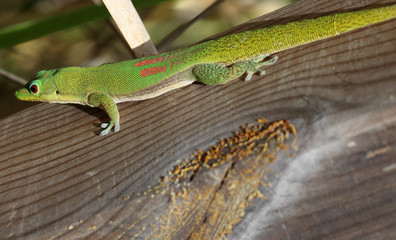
[24,95]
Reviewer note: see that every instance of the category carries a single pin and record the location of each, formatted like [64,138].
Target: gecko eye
[33,88]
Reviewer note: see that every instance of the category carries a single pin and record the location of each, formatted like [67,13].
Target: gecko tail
[265,41]
[344,22]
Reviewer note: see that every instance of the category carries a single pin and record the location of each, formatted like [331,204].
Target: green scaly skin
[212,62]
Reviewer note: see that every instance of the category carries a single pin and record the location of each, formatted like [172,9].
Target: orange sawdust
[244,143]
[209,192]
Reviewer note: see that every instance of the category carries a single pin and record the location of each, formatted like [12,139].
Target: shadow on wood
[60,180]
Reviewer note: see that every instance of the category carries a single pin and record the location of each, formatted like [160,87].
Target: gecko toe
[274,59]
[104,132]
[117,127]
[248,76]
[260,72]
[108,127]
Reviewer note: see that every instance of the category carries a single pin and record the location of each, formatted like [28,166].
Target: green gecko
[212,62]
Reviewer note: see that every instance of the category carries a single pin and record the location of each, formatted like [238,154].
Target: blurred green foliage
[29,30]
[32,29]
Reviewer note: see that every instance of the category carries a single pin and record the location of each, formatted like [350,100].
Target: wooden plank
[58,179]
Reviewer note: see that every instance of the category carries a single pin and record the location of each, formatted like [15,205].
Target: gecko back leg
[214,74]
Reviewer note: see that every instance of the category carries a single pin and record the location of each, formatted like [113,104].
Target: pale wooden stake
[131,26]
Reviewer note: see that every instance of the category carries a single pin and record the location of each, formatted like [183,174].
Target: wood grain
[60,180]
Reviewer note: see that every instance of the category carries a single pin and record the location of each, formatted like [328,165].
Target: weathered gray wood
[58,179]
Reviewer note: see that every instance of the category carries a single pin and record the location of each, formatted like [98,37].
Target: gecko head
[42,88]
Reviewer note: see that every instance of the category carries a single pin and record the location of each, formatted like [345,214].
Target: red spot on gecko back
[149,61]
[151,71]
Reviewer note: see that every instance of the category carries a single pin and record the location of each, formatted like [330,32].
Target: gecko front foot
[109,105]
[108,127]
